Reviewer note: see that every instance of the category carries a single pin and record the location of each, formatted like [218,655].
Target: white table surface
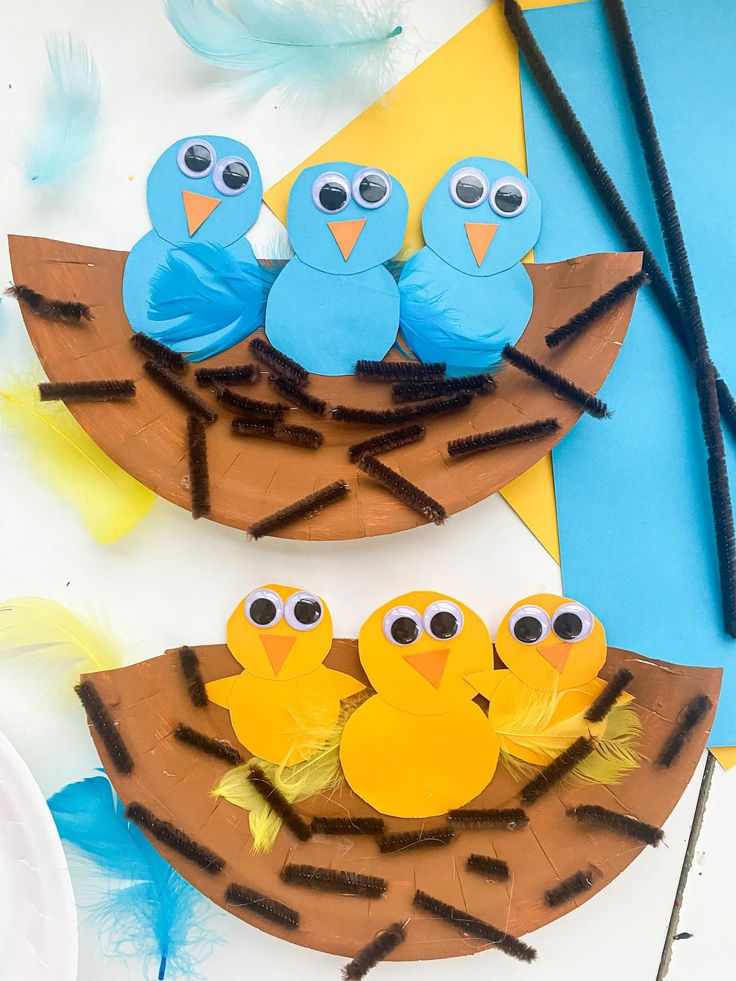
[172,581]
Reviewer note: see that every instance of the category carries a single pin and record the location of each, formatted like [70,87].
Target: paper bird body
[553,649]
[420,746]
[285,703]
[466,293]
[193,281]
[335,302]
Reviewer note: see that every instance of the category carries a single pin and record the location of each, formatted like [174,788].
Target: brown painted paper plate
[253,478]
[147,701]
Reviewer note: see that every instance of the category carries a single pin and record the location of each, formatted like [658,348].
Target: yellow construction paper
[532,496]
[420,745]
[415,766]
[551,664]
[465,99]
[285,704]
[726,755]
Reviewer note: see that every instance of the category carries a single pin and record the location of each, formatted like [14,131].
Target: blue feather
[207,299]
[149,911]
[296,44]
[65,133]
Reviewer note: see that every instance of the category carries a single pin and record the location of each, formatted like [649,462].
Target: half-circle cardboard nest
[250,479]
[148,701]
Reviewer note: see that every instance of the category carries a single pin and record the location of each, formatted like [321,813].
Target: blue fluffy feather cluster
[207,299]
[146,909]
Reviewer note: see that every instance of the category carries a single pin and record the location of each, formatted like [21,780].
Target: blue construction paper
[635,519]
[328,322]
[314,243]
[327,311]
[225,227]
[443,221]
[230,220]
[454,309]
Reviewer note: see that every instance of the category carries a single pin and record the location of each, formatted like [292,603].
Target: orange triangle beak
[480,235]
[346,234]
[429,664]
[556,654]
[277,650]
[198,208]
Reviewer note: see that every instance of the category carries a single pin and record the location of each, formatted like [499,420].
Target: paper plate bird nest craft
[344,392]
[416,794]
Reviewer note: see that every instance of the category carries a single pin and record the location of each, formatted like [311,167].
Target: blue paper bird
[335,302]
[203,193]
[149,911]
[466,294]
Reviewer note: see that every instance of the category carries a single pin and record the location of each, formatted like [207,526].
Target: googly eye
[331,192]
[371,188]
[443,619]
[303,611]
[529,624]
[231,176]
[402,625]
[468,187]
[264,608]
[573,622]
[196,158]
[508,197]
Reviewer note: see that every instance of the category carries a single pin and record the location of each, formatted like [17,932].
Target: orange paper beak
[198,208]
[346,234]
[277,649]
[480,235]
[429,664]
[556,654]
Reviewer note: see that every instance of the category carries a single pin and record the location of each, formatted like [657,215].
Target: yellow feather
[320,774]
[110,501]
[38,631]
[615,752]
[527,715]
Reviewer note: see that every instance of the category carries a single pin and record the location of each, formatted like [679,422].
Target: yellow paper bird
[285,702]
[553,649]
[420,745]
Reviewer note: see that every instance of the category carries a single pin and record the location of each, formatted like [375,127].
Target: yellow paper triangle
[726,755]
[464,100]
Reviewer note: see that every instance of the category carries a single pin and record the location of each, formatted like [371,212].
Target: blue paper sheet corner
[635,521]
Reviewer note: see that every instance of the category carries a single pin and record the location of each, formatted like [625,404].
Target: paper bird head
[550,642]
[280,632]
[482,217]
[418,648]
[204,189]
[344,218]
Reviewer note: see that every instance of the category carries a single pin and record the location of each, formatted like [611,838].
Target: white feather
[65,133]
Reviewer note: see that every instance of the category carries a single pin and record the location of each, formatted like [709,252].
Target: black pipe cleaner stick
[474,927]
[264,906]
[602,181]
[579,322]
[556,382]
[189,663]
[606,699]
[62,311]
[677,255]
[374,952]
